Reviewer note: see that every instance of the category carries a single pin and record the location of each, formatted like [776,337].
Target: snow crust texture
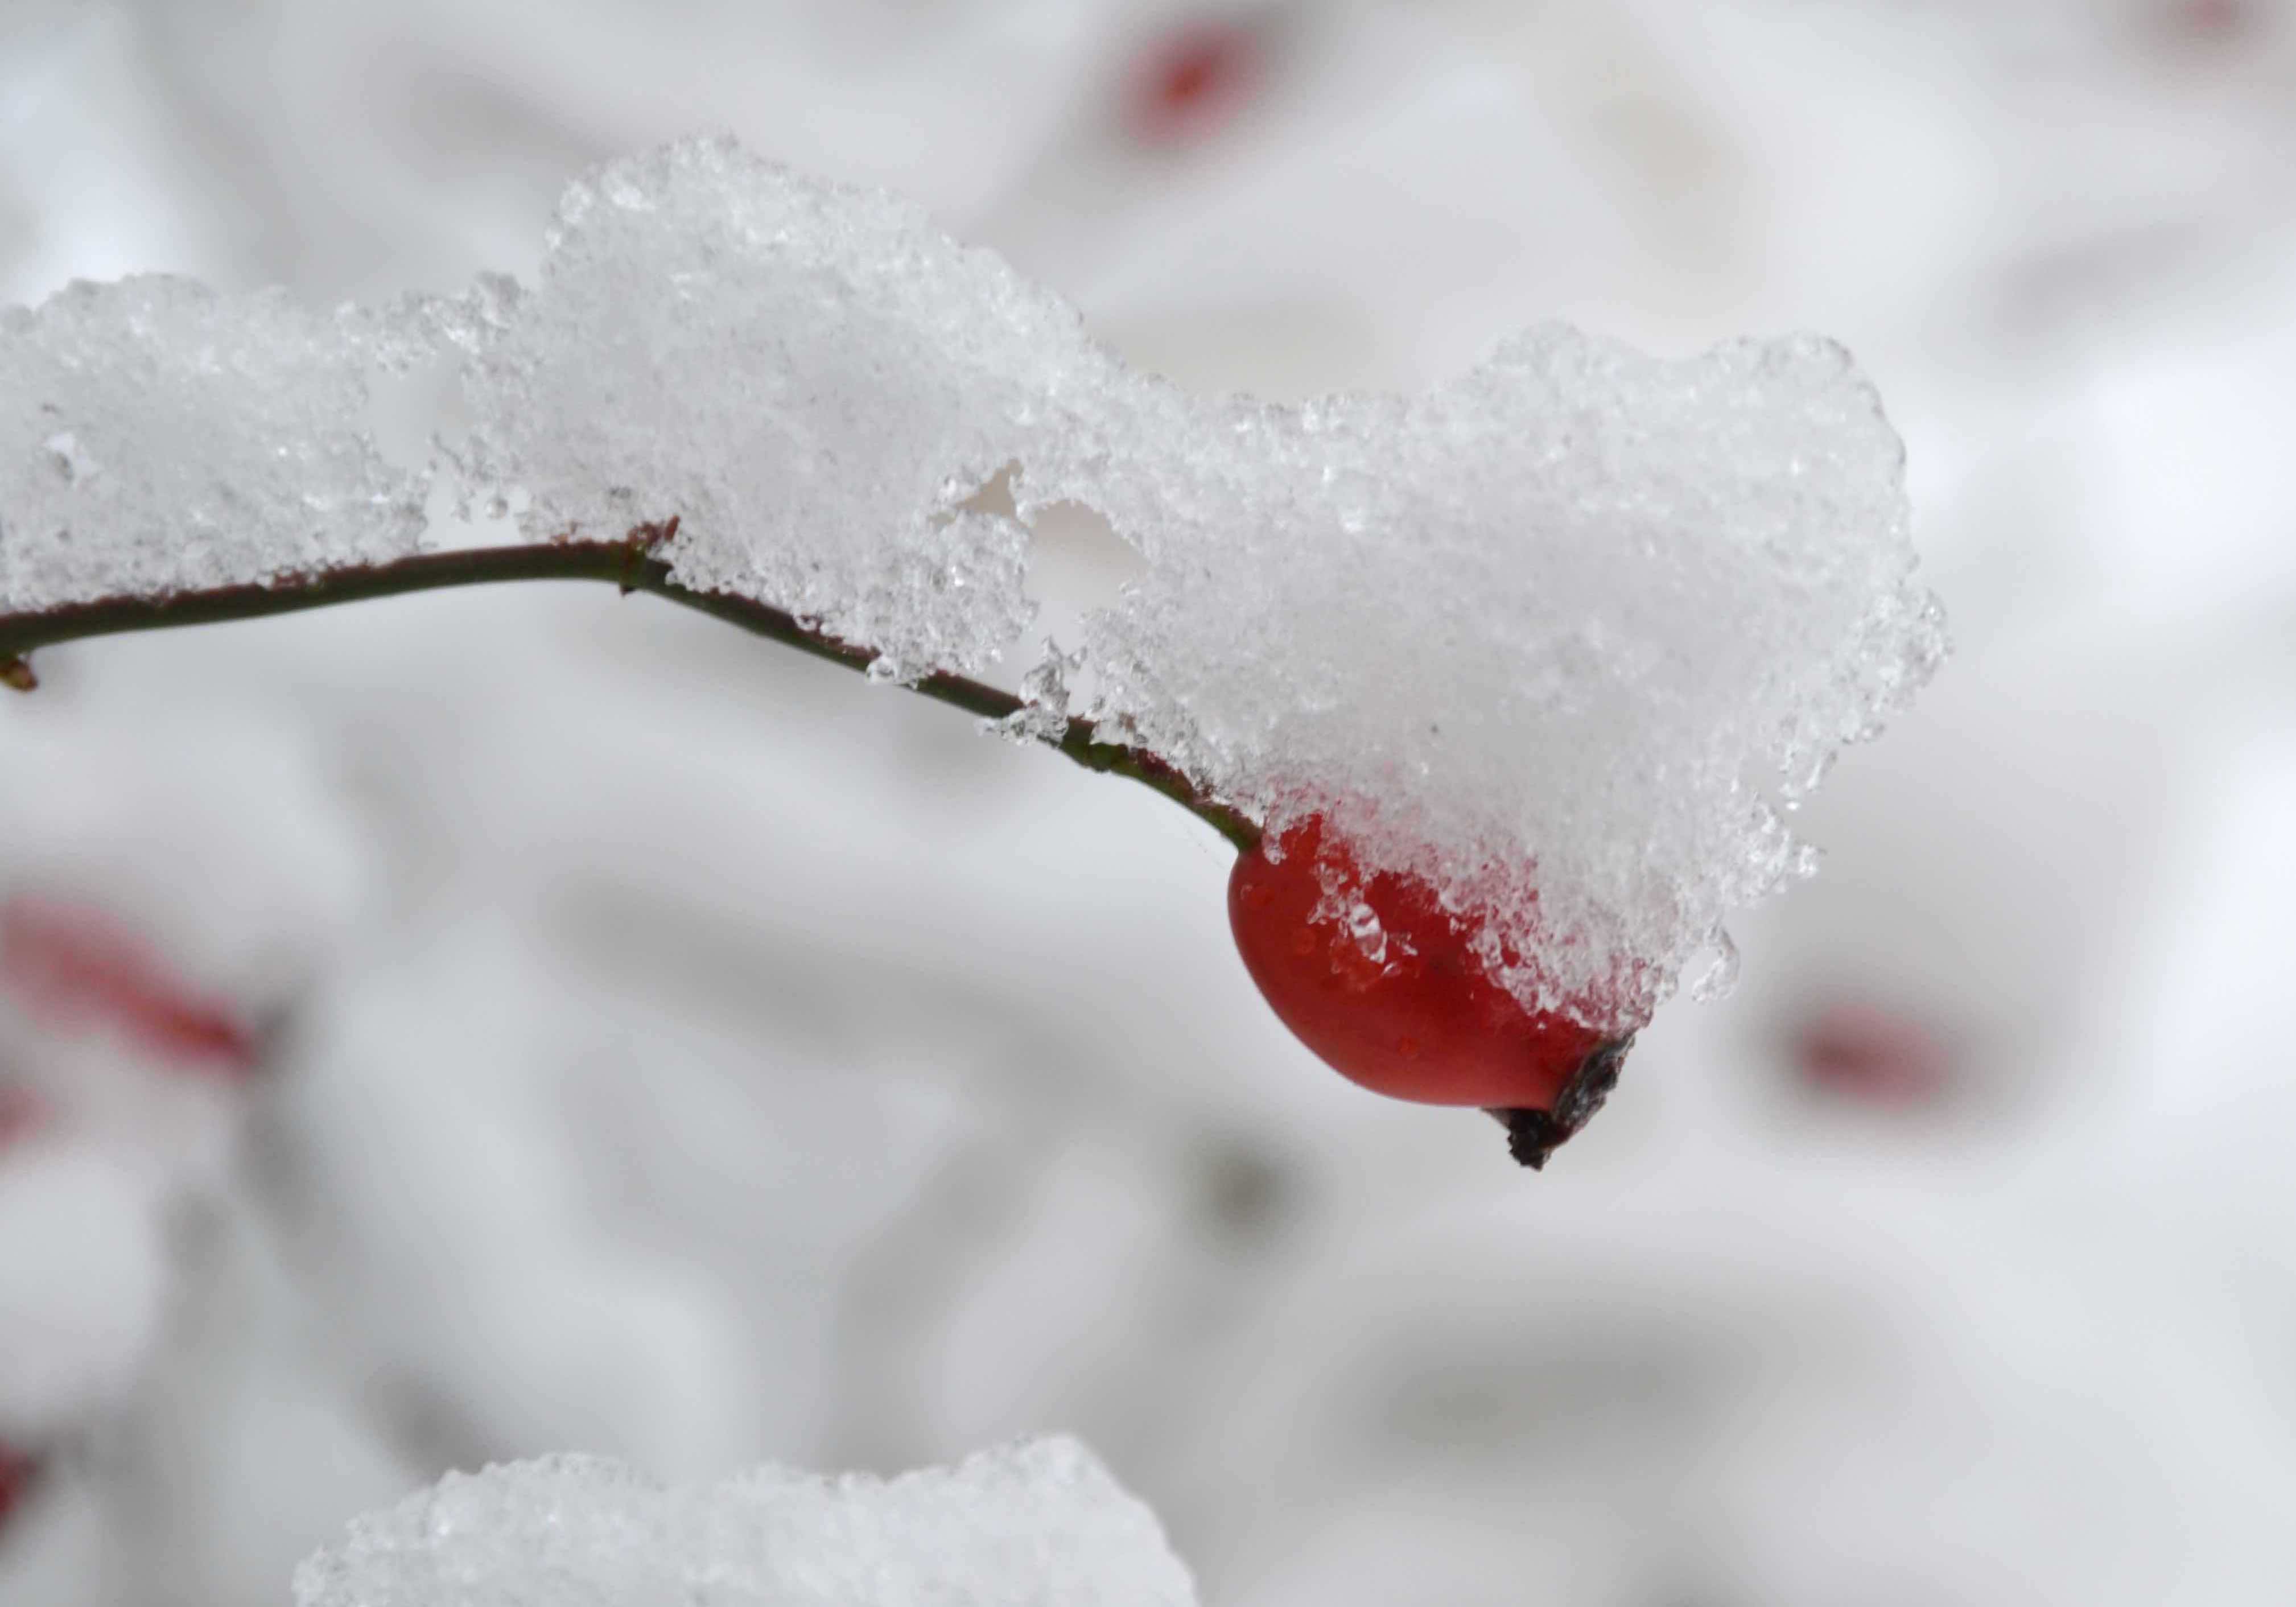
[158,436]
[1035,1525]
[1565,637]
[812,379]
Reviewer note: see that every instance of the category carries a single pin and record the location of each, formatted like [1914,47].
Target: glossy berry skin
[1421,1021]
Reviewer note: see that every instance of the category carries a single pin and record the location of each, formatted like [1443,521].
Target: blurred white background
[673,1048]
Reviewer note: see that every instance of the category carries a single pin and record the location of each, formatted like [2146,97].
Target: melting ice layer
[1562,637]
[1036,1525]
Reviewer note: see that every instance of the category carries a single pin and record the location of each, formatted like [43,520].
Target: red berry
[21,1112]
[17,1474]
[70,966]
[1875,1054]
[1192,79]
[1385,987]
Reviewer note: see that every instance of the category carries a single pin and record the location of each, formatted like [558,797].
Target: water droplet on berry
[1364,926]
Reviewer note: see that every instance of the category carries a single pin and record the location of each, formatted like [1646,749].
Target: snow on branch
[1035,1525]
[1564,636]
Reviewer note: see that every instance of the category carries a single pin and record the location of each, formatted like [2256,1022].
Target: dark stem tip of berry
[1534,1134]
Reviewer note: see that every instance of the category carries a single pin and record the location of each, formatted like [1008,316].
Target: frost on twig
[1563,636]
[1036,1525]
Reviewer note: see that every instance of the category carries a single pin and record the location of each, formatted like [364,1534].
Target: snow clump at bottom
[1565,636]
[1040,1524]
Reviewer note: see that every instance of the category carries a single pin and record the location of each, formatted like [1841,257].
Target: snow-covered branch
[628,564]
[1561,640]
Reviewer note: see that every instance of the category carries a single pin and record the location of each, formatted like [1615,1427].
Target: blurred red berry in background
[17,1473]
[1193,79]
[20,1111]
[1874,1054]
[77,969]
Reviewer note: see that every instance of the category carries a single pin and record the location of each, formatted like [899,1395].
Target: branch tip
[17,674]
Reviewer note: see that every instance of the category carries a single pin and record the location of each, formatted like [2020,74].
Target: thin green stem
[629,564]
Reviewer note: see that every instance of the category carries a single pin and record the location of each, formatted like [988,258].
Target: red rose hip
[1382,984]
